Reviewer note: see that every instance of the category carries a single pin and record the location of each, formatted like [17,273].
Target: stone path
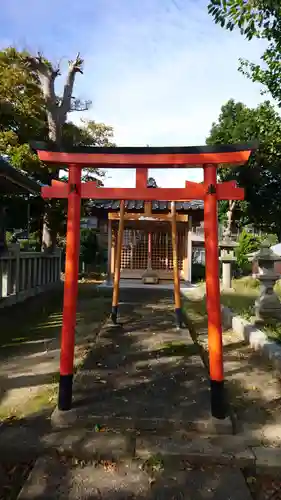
[144,372]
[53,478]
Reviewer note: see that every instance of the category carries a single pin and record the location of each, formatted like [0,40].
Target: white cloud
[158,71]
[174,91]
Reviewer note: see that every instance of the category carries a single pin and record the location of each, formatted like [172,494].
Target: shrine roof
[138,206]
[15,181]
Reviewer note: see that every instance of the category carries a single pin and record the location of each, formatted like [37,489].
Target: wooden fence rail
[25,274]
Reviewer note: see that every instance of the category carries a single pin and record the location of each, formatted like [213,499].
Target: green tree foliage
[22,112]
[91,133]
[88,246]
[23,118]
[247,243]
[260,19]
[261,178]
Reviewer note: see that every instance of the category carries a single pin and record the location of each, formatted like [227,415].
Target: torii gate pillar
[70,288]
[218,402]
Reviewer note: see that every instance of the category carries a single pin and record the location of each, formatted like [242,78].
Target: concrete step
[58,479]
[77,419]
[245,450]
[111,444]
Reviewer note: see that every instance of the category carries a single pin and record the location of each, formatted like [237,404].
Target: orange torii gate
[208,157]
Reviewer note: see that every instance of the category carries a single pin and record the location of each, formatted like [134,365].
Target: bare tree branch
[56,112]
[75,66]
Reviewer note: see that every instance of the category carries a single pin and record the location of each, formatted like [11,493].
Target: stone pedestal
[150,277]
[226,274]
[268,305]
[227,259]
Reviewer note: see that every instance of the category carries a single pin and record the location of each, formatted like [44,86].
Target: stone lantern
[227,258]
[268,305]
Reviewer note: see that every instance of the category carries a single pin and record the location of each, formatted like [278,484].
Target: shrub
[271,238]
[247,243]
[198,272]
[88,246]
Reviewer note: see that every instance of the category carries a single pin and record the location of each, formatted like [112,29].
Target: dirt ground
[29,347]
[254,389]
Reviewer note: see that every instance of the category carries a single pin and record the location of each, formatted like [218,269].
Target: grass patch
[242,299]
[273,330]
[197,319]
[41,318]
[43,401]
[241,303]
[153,464]
[196,312]
[34,319]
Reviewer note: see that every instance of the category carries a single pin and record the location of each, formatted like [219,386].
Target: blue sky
[158,71]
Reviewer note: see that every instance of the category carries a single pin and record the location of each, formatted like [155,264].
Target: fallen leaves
[108,465]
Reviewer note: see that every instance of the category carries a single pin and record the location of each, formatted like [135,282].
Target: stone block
[196,450]
[268,459]
[87,445]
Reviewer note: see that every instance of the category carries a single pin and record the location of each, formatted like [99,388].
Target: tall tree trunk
[229,221]
[57,110]
[49,236]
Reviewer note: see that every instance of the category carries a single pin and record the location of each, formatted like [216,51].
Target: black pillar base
[65,392]
[218,399]
[114,313]
[179,322]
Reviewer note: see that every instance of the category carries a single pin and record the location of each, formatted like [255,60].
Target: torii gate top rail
[140,158]
[158,157]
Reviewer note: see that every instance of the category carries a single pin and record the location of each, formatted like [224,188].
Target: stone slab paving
[136,372]
[60,480]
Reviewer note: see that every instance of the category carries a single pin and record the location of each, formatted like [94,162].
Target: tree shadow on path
[135,371]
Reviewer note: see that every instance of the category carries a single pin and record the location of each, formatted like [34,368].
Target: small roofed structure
[13,182]
[147,238]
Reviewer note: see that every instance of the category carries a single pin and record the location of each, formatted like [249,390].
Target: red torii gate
[208,157]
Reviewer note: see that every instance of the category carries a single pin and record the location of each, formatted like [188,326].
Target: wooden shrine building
[147,237]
